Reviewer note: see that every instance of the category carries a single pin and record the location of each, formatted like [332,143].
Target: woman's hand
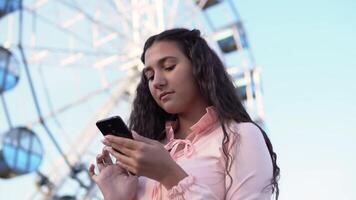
[113,180]
[145,157]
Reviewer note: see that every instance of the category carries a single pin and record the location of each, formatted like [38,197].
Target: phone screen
[114,126]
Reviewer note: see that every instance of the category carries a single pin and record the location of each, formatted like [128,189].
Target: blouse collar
[204,123]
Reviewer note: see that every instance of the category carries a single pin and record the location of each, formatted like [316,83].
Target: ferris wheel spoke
[99,23]
[58,26]
[76,102]
[89,133]
[172,14]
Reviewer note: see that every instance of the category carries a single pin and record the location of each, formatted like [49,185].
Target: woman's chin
[170,108]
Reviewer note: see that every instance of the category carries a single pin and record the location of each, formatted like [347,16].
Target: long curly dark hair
[215,85]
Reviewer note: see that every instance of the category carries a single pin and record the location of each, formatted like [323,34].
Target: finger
[140,138]
[120,167]
[123,150]
[129,170]
[123,159]
[121,141]
[92,171]
[100,161]
[107,159]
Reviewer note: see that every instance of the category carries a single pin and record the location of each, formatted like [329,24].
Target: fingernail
[107,149]
[104,141]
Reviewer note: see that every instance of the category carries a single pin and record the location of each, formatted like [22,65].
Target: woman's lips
[164,95]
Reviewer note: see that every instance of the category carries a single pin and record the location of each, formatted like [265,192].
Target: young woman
[193,137]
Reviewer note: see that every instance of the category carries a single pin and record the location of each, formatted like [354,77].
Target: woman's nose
[159,81]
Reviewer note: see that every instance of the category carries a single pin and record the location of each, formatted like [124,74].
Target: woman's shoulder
[244,127]
[246,131]
[237,132]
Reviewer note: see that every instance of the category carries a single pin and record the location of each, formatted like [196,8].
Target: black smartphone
[114,126]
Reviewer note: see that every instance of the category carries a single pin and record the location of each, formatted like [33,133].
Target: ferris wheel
[73,62]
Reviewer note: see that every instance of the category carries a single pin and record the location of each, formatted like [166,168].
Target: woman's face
[170,78]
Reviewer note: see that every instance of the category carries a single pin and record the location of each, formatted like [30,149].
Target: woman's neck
[188,119]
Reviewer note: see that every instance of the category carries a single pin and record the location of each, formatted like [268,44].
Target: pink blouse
[202,158]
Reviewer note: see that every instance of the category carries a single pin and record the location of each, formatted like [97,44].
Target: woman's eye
[170,68]
[150,78]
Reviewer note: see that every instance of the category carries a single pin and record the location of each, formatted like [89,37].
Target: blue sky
[306,50]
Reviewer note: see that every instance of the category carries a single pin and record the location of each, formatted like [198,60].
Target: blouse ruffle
[177,192]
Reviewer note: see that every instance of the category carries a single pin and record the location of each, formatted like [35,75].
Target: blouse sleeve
[251,171]
[189,188]
[251,167]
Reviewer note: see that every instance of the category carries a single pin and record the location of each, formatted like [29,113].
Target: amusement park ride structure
[79,62]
